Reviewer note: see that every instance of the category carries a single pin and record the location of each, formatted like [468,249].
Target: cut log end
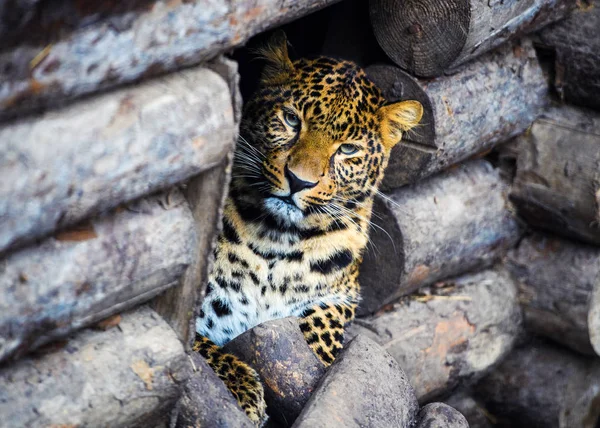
[424,38]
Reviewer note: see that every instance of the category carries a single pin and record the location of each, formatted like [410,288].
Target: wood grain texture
[77,278]
[556,280]
[464,113]
[456,332]
[557,185]
[428,38]
[575,45]
[444,226]
[113,148]
[543,386]
[129,375]
[106,44]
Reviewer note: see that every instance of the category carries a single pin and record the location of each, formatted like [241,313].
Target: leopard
[314,141]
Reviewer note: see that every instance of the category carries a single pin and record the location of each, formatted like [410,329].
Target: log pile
[117,126]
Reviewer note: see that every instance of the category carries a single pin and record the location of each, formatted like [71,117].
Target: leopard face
[316,136]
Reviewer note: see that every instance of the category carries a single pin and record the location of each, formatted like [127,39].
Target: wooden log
[70,51]
[206,195]
[130,376]
[428,38]
[575,47]
[458,331]
[543,386]
[287,366]
[134,141]
[463,113]
[557,186]
[81,276]
[556,280]
[363,387]
[444,226]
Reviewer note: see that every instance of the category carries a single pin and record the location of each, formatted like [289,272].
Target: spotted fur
[314,142]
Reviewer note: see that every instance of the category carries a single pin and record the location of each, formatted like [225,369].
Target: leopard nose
[297,184]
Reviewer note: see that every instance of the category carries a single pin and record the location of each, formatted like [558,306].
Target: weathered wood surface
[65,165]
[206,401]
[543,386]
[556,280]
[575,45]
[429,37]
[364,387]
[557,186]
[287,366]
[463,113]
[130,375]
[206,195]
[71,50]
[444,226]
[83,275]
[457,332]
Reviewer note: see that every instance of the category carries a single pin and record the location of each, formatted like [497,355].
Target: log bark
[428,38]
[206,196]
[84,275]
[457,332]
[113,148]
[124,42]
[575,46]
[130,375]
[542,386]
[288,368]
[557,186]
[444,226]
[463,113]
[556,280]
[363,387]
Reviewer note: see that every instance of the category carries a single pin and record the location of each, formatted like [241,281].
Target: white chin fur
[284,212]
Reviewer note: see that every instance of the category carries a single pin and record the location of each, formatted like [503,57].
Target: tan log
[83,275]
[457,331]
[130,375]
[557,279]
[557,185]
[430,37]
[69,50]
[444,226]
[573,46]
[541,385]
[65,165]
[463,113]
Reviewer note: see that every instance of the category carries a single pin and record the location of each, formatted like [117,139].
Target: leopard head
[316,136]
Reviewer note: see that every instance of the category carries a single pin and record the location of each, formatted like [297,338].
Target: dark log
[428,38]
[556,280]
[575,47]
[69,50]
[127,376]
[440,415]
[444,226]
[543,386]
[206,195]
[81,276]
[474,411]
[557,186]
[113,148]
[463,113]
[206,401]
[455,332]
[364,387]
[289,369]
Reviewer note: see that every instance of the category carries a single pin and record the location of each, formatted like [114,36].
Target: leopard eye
[291,119]
[348,149]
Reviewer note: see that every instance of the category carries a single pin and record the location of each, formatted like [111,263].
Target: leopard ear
[278,66]
[398,118]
